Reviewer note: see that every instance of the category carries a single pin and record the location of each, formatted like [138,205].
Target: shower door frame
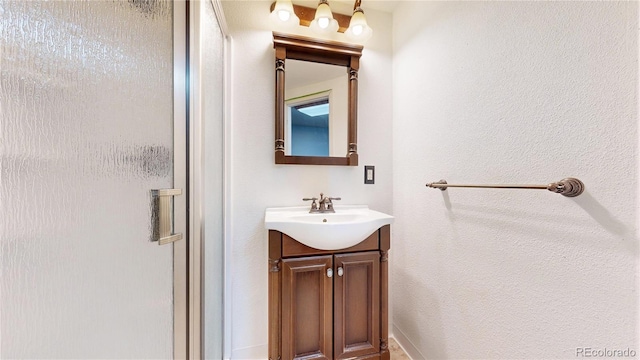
[180,248]
[189,254]
[182,302]
[188,174]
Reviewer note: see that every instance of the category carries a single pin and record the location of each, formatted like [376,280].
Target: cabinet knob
[329,272]
[340,271]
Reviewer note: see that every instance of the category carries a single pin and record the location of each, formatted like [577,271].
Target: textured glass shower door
[86,131]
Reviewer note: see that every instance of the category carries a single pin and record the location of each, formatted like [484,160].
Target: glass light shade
[283,14]
[324,21]
[358,29]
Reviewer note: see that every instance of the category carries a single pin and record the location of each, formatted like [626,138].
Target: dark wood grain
[281,158]
[275,281]
[357,305]
[385,245]
[322,51]
[313,316]
[291,247]
[307,308]
[354,66]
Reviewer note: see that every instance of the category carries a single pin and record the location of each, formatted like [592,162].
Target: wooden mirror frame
[325,52]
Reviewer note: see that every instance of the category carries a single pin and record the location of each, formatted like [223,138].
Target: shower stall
[97,110]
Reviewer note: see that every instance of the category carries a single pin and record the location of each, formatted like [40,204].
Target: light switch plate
[369,174]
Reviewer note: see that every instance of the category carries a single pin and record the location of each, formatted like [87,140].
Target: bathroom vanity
[328,304]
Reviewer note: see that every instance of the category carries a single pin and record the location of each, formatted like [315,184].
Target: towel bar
[570,187]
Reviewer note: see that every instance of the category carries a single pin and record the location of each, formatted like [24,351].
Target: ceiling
[382,5]
[346,6]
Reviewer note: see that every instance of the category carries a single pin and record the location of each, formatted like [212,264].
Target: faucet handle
[314,206]
[330,202]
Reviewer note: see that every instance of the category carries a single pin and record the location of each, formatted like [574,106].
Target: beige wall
[515,92]
[486,92]
[257,183]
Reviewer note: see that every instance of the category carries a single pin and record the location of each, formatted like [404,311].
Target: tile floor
[396,351]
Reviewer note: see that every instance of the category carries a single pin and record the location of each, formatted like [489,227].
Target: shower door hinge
[162,216]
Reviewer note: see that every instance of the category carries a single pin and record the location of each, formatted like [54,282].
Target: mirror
[316,109]
[316,101]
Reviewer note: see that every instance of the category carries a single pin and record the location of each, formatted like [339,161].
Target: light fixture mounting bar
[307,14]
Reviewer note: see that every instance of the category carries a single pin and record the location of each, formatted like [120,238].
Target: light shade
[283,14]
[324,21]
[358,29]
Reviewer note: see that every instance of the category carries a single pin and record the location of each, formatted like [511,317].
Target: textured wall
[257,183]
[515,92]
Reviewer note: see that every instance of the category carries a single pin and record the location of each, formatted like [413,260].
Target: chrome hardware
[340,271]
[329,272]
[162,216]
[569,187]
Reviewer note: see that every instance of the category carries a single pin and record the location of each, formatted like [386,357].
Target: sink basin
[348,226]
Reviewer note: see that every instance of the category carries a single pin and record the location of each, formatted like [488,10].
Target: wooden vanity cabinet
[328,304]
[307,308]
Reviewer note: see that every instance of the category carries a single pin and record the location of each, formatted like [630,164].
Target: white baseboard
[249,353]
[259,352]
[406,344]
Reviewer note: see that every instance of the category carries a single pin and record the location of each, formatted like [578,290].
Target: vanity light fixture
[358,29]
[283,13]
[322,20]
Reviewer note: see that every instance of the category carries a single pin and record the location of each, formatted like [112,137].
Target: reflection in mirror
[316,109]
[307,125]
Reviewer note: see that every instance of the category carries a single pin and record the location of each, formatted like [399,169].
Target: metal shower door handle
[162,216]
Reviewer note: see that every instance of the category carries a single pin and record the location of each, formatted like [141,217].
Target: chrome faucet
[325,204]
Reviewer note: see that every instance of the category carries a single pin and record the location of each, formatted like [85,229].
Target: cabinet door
[307,308]
[357,304]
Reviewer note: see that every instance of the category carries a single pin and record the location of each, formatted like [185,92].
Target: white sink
[348,226]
